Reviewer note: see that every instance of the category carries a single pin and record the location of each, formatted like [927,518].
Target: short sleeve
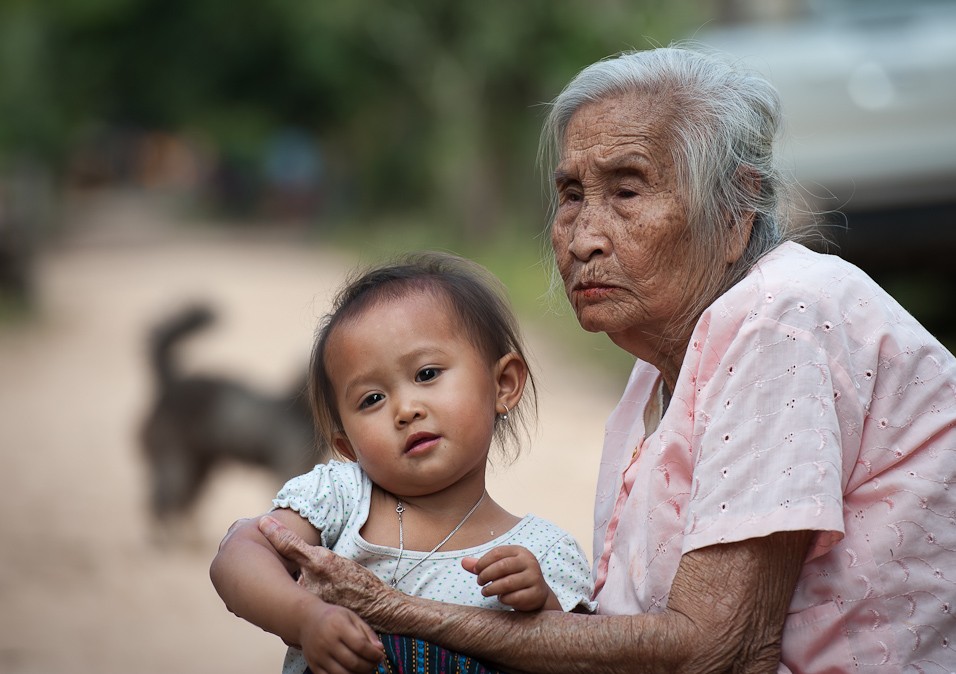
[768,449]
[566,570]
[327,496]
[564,566]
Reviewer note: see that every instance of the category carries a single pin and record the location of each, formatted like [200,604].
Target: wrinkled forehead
[619,121]
[620,135]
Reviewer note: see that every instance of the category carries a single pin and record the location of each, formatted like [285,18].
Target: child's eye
[371,399]
[427,374]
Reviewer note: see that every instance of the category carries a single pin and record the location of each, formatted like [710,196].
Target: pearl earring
[504,417]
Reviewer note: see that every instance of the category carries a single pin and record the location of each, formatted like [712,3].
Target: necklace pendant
[399,508]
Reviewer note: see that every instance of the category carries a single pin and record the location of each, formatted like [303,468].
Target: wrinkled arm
[256,584]
[726,611]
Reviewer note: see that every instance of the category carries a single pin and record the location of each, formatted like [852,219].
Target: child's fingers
[506,584]
[353,653]
[523,592]
[363,644]
[341,661]
[494,557]
[510,565]
[345,643]
[345,660]
[512,573]
[525,599]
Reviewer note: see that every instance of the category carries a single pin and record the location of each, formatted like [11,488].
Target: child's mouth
[420,442]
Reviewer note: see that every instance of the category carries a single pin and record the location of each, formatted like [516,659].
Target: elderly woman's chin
[595,318]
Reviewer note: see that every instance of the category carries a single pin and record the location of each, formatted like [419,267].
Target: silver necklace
[399,509]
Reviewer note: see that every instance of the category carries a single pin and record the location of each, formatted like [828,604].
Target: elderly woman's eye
[626,193]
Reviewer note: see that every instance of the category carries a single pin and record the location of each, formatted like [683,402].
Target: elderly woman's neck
[670,382]
[667,358]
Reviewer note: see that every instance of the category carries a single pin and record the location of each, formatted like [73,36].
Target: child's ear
[511,374]
[342,445]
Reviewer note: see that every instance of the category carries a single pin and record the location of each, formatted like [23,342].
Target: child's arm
[257,585]
[512,573]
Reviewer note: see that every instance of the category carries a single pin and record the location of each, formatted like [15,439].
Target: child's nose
[409,410]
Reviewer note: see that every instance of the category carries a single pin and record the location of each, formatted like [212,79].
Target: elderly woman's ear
[741,227]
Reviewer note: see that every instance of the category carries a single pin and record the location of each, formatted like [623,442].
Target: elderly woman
[774,493]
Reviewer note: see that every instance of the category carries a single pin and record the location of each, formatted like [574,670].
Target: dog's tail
[165,335]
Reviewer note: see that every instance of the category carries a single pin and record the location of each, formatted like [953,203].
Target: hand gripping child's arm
[257,585]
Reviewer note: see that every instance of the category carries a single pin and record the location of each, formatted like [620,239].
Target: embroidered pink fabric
[808,399]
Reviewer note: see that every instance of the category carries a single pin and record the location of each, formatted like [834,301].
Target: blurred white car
[869,97]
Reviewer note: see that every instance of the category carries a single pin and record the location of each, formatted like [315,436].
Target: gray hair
[723,124]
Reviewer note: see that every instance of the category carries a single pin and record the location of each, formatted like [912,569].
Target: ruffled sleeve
[327,497]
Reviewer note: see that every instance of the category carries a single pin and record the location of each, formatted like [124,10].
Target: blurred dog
[200,422]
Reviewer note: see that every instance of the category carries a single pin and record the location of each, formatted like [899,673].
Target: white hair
[722,125]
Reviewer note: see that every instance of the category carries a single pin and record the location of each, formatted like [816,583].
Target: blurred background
[243,156]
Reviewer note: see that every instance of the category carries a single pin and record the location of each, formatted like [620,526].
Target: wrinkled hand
[512,573]
[336,641]
[332,578]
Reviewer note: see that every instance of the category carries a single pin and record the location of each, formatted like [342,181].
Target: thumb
[470,564]
[286,542]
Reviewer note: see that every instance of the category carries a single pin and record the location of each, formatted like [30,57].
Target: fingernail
[268,525]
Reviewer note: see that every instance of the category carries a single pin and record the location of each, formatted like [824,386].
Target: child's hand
[512,573]
[335,640]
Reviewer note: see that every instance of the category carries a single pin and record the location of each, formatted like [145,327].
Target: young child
[416,370]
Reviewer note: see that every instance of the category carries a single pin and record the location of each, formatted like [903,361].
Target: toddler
[418,368]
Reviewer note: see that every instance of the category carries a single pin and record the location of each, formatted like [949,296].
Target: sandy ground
[82,586]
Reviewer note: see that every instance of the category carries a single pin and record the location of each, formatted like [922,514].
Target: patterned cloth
[404,655]
[808,399]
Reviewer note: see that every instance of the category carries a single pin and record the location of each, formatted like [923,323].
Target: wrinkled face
[620,234]
[416,398]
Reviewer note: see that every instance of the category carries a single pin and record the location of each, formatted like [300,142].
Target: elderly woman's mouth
[591,290]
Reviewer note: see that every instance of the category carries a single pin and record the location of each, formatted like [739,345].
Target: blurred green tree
[420,107]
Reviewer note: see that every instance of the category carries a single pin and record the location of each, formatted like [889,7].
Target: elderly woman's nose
[588,237]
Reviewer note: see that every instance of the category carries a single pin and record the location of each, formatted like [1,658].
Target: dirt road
[83,588]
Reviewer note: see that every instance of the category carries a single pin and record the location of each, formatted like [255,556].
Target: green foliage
[27,101]
[420,107]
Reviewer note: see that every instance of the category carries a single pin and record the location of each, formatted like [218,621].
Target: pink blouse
[808,400]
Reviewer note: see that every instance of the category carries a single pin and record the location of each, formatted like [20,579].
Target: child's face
[416,398]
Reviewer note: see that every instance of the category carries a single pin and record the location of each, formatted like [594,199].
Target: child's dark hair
[475,297]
